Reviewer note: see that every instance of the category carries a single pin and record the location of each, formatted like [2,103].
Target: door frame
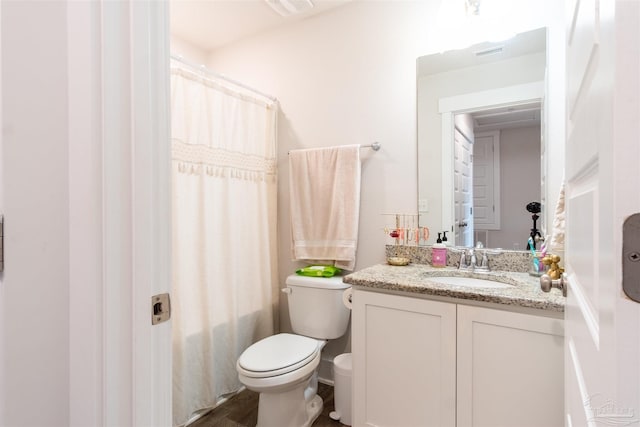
[119,164]
[463,236]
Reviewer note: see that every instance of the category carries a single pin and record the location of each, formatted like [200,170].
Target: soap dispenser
[444,238]
[439,253]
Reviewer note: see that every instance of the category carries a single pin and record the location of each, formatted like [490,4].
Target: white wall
[188,51]
[520,184]
[344,77]
[341,78]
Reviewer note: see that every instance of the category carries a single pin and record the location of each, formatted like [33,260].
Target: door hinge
[1,243]
[160,308]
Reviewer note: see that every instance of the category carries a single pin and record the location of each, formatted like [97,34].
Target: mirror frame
[448,107]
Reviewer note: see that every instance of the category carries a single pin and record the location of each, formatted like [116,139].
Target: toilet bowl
[283,367]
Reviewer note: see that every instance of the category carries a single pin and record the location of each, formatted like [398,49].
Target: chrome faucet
[469,261]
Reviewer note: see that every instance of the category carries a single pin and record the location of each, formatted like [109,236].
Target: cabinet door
[510,369]
[403,361]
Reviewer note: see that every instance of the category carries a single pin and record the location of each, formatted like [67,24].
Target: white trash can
[342,388]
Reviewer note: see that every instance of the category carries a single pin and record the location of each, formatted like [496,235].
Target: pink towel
[324,191]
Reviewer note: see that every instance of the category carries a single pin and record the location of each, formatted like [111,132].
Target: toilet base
[314,408]
[288,409]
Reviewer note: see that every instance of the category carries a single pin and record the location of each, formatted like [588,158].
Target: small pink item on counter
[439,255]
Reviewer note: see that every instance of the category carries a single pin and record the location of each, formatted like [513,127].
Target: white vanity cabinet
[404,361]
[510,369]
[419,362]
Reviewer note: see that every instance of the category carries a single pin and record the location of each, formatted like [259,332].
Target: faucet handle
[464,264]
[474,260]
[485,260]
[463,260]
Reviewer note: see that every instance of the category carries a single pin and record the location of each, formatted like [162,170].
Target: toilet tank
[315,306]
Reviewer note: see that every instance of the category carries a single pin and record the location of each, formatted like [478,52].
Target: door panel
[486,188]
[602,336]
[404,365]
[585,172]
[492,348]
[34,293]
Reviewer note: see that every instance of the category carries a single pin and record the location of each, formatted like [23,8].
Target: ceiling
[211,24]
[514,116]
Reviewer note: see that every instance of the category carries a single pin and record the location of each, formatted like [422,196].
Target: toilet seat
[277,355]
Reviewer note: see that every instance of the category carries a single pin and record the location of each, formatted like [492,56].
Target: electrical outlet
[423,205]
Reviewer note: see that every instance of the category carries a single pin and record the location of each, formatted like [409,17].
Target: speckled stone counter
[499,259]
[414,279]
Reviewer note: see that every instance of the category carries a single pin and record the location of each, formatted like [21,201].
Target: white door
[463,188]
[602,347]
[486,181]
[84,169]
[36,335]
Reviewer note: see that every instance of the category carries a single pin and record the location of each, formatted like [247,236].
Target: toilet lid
[278,354]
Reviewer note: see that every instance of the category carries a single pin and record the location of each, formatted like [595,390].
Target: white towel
[556,244]
[324,191]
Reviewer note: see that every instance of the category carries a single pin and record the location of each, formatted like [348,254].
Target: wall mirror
[481,142]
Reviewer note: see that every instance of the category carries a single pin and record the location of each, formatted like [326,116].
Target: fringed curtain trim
[199,159]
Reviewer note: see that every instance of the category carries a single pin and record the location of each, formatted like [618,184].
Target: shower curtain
[225,291]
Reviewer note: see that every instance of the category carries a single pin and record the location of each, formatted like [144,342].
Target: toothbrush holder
[541,267]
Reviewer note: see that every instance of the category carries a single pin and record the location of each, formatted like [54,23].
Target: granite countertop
[414,278]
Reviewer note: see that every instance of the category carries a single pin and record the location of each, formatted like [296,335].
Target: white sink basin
[469,282]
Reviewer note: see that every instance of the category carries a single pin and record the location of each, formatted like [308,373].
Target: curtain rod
[375,146]
[206,70]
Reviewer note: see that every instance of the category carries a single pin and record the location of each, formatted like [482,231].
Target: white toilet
[283,367]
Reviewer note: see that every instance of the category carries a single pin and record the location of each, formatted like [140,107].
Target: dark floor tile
[241,410]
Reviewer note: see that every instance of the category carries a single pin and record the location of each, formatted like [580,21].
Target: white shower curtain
[225,291]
